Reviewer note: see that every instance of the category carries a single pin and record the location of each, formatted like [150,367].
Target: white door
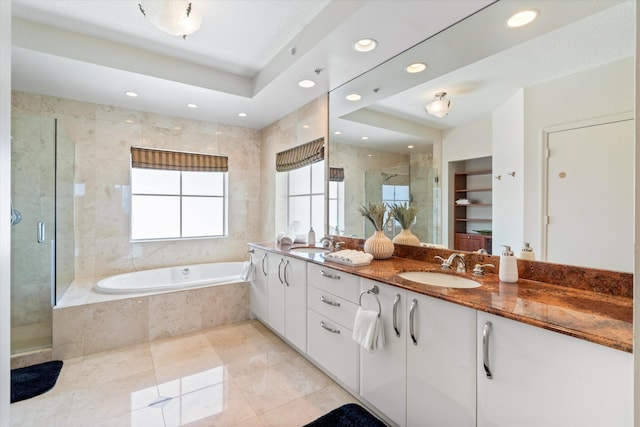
[595,227]
[294,273]
[259,285]
[276,294]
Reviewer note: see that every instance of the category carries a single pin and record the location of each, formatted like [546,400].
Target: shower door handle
[41,231]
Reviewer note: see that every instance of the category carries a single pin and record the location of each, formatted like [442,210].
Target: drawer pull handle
[486,333]
[328,301]
[329,275]
[396,301]
[412,312]
[333,331]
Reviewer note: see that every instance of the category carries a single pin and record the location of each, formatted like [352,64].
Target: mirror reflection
[537,145]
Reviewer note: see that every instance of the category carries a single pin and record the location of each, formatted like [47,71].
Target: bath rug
[349,415]
[32,381]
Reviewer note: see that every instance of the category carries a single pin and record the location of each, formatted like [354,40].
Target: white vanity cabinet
[543,378]
[287,298]
[332,303]
[441,363]
[383,372]
[260,284]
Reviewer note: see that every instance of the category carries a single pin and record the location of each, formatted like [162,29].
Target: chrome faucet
[327,242]
[446,263]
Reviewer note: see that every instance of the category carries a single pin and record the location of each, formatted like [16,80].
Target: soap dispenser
[527,252]
[311,238]
[508,272]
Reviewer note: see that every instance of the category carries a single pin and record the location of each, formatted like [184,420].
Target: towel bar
[373,291]
[249,255]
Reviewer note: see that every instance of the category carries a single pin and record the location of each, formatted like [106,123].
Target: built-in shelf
[475,184]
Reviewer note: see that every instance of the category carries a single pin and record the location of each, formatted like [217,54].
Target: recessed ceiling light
[306,83]
[177,128]
[131,93]
[305,126]
[242,114]
[192,105]
[365,45]
[338,132]
[369,155]
[409,146]
[129,121]
[523,17]
[365,137]
[353,97]
[416,67]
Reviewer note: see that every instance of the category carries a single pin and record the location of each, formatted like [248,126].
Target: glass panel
[147,224]
[202,216]
[333,190]
[317,178]
[203,183]
[299,210]
[388,192]
[152,181]
[299,181]
[402,192]
[317,212]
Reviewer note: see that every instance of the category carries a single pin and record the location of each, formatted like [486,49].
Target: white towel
[248,271]
[368,330]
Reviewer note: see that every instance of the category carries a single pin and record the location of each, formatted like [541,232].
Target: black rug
[349,415]
[32,381]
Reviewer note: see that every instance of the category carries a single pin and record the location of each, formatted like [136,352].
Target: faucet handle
[478,270]
[445,264]
[338,245]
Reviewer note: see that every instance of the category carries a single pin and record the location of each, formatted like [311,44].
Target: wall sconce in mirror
[439,107]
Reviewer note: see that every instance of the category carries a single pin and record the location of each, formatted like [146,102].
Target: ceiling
[248,57]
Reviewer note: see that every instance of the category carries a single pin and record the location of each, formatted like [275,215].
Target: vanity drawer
[331,345]
[338,283]
[331,306]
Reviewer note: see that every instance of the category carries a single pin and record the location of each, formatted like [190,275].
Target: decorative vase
[379,245]
[406,237]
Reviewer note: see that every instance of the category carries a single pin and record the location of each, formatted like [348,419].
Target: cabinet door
[383,372]
[543,378]
[294,274]
[441,371]
[276,287]
[259,284]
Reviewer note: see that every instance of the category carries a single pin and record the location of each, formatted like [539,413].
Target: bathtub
[170,278]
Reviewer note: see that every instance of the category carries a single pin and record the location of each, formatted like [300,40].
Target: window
[173,199]
[336,201]
[305,196]
[392,194]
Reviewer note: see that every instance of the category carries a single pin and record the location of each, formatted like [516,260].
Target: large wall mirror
[541,127]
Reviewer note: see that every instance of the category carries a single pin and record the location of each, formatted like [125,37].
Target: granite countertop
[598,317]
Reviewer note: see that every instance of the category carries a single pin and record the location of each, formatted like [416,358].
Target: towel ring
[249,255]
[373,291]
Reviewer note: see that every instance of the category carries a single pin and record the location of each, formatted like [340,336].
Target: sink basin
[439,279]
[309,250]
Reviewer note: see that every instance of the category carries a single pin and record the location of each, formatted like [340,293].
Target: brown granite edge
[587,279]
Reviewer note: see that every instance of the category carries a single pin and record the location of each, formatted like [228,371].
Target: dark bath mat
[349,415]
[32,381]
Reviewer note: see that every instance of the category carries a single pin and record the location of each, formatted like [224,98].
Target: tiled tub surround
[86,322]
[594,305]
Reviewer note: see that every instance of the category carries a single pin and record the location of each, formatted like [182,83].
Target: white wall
[508,191]
[458,144]
[5,195]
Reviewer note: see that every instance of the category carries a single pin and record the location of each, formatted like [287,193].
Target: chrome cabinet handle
[41,232]
[279,270]
[396,301]
[327,301]
[486,333]
[333,331]
[286,281]
[412,312]
[264,258]
[329,275]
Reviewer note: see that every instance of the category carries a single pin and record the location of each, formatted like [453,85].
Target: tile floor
[235,375]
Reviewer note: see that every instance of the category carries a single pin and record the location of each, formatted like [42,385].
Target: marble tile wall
[102,136]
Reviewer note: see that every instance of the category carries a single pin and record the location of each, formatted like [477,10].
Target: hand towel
[248,272]
[367,330]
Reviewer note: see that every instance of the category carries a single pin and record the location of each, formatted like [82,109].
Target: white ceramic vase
[379,245]
[406,237]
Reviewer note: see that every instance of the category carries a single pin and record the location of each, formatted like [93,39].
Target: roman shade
[147,158]
[300,156]
[336,174]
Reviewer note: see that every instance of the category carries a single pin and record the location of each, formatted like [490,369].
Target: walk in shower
[42,236]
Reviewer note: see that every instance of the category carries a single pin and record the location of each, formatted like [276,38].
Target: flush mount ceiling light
[306,83]
[416,67]
[131,93]
[174,17]
[353,97]
[439,107]
[365,45]
[522,18]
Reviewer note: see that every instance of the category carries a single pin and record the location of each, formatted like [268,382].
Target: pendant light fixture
[174,17]
[439,107]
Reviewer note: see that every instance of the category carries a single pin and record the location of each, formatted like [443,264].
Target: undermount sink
[439,279]
[309,250]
